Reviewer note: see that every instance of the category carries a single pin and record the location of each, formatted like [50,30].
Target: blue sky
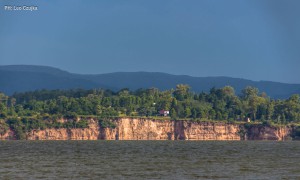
[252,39]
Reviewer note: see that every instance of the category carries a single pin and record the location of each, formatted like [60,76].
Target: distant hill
[20,78]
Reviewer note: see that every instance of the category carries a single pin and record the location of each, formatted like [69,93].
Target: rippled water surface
[149,160]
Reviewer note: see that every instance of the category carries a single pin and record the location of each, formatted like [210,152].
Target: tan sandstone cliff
[91,133]
[260,132]
[149,129]
[188,130]
[9,135]
[139,129]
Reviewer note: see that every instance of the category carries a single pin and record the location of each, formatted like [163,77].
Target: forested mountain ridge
[21,78]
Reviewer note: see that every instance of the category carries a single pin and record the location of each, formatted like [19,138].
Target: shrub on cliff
[106,123]
[72,124]
[296,132]
[71,115]
[231,121]
[268,123]
[25,125]
[56,125]
[18,127]
[247,125]
[3,127]
[82,124]
[31,124]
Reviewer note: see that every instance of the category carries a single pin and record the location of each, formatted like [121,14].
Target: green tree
[181,92]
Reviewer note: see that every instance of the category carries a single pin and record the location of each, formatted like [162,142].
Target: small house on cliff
[164,112]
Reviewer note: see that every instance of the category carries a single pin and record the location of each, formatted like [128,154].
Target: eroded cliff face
[149,129]
[139,129]
[91,133]
[260,132]
[9,135]
[188,130]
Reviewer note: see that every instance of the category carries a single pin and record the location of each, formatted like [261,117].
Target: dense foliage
[41,109]
[218,104]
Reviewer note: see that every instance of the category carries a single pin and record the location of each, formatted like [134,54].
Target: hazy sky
[254,39]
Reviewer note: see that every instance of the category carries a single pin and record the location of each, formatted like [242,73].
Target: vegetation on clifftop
[23,112]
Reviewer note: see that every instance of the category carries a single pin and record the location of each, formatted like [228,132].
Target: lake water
[149,160]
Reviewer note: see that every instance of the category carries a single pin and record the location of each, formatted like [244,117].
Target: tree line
[181,102]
